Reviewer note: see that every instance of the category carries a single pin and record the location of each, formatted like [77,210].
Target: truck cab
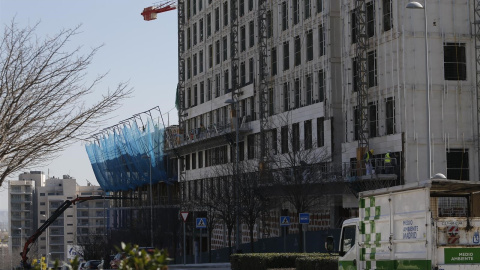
[433,224]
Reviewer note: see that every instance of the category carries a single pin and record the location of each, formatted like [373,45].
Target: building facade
[341,76]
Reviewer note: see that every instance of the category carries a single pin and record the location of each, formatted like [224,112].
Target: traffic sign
[304,218]
[184,216]
[284,221]
[201,223]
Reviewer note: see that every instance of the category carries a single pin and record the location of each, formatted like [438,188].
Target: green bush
[300,261]
[317,261]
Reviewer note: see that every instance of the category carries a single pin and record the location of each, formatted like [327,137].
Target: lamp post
[416,5]
[47,249]
[151,199]
[234,102]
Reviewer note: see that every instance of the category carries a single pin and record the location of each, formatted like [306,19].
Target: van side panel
[393,232]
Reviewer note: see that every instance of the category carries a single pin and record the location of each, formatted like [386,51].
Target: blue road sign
[284,221]
[304,218]
[201,223]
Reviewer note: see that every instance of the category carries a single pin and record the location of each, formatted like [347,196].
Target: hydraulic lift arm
[58,212]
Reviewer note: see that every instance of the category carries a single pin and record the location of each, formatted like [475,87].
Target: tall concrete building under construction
[336,77]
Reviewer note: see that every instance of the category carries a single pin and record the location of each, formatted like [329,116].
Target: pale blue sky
[142,52]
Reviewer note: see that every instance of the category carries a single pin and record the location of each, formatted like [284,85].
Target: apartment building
[23,208]
[39,198]
[315,74]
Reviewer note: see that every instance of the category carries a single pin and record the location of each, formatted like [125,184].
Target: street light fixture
[151,199]
[234,102]
[416,5]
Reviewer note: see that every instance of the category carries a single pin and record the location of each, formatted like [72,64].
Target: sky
[144,53]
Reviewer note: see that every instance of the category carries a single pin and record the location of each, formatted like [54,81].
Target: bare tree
[92,246]
[43,96]
[301,170]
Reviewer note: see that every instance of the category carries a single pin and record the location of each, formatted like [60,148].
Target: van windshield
[348,238]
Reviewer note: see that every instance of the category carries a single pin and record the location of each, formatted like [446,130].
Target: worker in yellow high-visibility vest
[388,163]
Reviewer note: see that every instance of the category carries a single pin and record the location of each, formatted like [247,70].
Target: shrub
[300,261]
[317,261]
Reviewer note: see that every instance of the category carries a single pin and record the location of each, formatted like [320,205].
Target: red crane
[150,13]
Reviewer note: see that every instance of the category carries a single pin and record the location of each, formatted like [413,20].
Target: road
[205,266]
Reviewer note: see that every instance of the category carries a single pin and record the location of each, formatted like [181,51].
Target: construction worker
[368,162]
[388,163]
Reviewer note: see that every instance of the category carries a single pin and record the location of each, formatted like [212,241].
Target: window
[286,97]
[194,161]
[321,41]
[307,134]
[241,8]
[372,68]
[200,5]
[242,74]
[217,19]
[187,162]
[308,89]
[298,93]
[209,24]
[225,13]
[195,67]
[353,26]
[271,102]
[195,95]
[319,6]
[226,82]
[225,48]
[370,19]
[308,9]
[189,40]
[200,60]
[189,97]
[390,116]
[321,86]
[455,65]
[202,92]
[273,57]
[274,141]
[309,45]
[200,25]
[295,137]
[251,146]
[42,194]
[298,50]
[286,63]
[242,38]
[250,5]
[252,108]
[195,7]
[295,12]
[320,132]
[457,164]
[210,56]
[194,34]
[251,31]
[209,89]
[356,119]
[284,16]
[284,138]
[373,119]
[241,151]
[348,239]
[217,52]
[387,15]
[217,85]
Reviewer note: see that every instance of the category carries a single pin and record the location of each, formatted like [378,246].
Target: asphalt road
[205,266]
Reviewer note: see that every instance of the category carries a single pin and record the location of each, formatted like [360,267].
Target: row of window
[370,16]
[290,140]
[373,120]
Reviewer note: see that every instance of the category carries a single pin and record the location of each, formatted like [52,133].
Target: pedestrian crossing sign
[284,221]
[201,223]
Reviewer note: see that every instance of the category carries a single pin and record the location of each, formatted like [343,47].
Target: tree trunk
[251,239]
[300,238]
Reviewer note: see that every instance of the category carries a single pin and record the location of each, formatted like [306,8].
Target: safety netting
[129,155]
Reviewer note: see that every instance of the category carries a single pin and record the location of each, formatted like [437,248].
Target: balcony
[211,134]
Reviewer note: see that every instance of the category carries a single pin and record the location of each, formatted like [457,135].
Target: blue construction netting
[123,156]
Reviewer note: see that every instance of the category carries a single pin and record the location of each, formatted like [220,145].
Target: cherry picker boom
[58,212]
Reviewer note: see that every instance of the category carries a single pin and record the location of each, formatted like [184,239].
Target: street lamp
[234,102]
[47,249]
[416,5]
[151,199]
